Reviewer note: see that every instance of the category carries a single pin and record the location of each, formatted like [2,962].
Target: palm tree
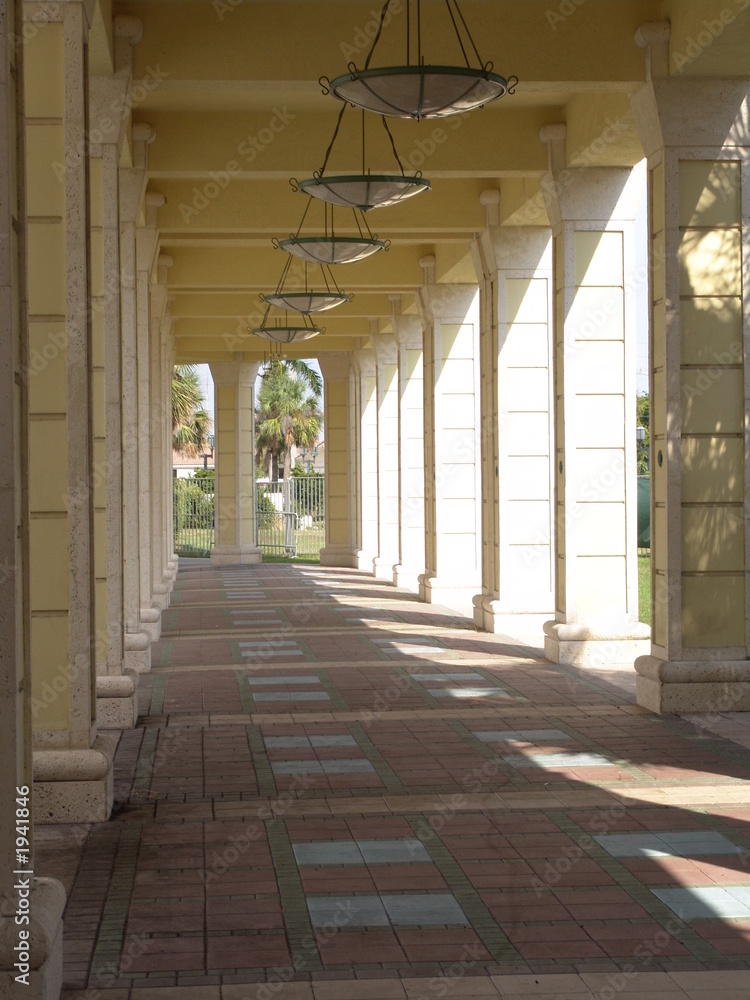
[300,369]
[286,414]
[190,421]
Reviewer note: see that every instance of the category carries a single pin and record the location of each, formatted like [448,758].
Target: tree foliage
[286,413]
[190,420]
[642,416]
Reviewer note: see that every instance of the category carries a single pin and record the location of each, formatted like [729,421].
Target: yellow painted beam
[196,270]
[270,208]
[226,40]
[229,305]
[230,328]
[288,142]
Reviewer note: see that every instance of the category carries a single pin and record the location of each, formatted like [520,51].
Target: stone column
[695,134]
[137,641]
[515,267]
[44,968]
[167,461]
[411,562]
[367,422]
[234,448]
[386,377]
[72,765]
[161,322]
[340,478]
[453,533]
[146,243]
[592,211]
[115,688]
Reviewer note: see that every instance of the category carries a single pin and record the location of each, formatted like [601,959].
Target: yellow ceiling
[233,96]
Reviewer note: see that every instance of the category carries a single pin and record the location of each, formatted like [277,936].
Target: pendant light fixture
[328,247]
[286,332]
[364,191]
[307,300]
[416,89]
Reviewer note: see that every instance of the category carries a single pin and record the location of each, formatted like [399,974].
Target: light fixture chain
[375,41]
[393,147]
[408,32]
[466,29]
[458,33]
[335,133]
[419,32]
[307,209]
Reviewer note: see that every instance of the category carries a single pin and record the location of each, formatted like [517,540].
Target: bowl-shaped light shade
[331,249]
[364,191]
[306,302]
[419,91]
[286,334]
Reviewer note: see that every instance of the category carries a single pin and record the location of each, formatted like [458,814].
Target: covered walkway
[335,791]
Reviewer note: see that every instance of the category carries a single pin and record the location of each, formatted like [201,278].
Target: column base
[363,560]
[436,590]
[669,687]
[117,701]
[338,555]
[383,568]
[595,645]
[74,786]
[161,595]
[41,976]
[151,622]
[136,652]
[236,555]
[489,616]
[406,579]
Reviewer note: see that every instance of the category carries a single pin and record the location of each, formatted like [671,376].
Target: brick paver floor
[335,792]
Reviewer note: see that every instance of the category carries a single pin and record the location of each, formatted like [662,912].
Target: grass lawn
[193,541]
[644,589]
[291,559]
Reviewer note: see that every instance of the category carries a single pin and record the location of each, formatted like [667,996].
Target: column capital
[235,373]
[408,331]
[515,248]
[385,347]
[42,11]
[592,194]
[692,112]
[364,361]
[335,365]
[133,179]
[108,111]
[445,302]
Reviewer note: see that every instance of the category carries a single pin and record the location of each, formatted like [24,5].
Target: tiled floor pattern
[314,821]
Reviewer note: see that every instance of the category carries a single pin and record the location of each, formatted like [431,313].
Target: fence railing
[193,516]
[290,516]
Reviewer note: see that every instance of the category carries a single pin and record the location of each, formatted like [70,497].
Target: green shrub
[193,505]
